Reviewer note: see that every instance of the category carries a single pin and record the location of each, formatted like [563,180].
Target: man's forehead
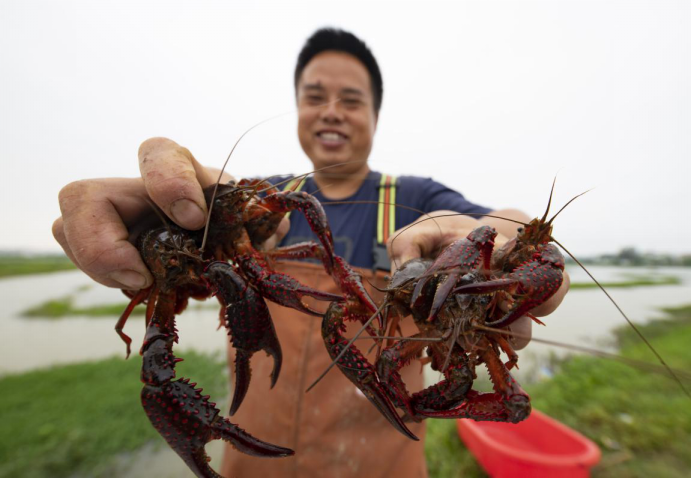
[336,69]
[318,86]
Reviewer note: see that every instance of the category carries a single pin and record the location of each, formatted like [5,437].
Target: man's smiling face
[336,121]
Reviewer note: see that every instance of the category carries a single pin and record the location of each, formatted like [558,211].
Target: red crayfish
[240,220]
[455,302]
[451,295]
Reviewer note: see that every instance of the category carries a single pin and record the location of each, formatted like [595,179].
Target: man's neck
[340,186]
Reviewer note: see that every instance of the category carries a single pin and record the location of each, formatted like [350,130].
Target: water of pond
[585,318]
[29,343]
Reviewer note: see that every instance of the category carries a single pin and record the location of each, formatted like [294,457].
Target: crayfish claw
[249,324]
[357,369]
[375,393]
[188,421]
[288,292]
[246,443]
[243,374]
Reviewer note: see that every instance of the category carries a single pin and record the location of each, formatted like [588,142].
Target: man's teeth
[330,136]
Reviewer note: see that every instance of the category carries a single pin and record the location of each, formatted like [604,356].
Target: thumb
[173,180]
[278,236]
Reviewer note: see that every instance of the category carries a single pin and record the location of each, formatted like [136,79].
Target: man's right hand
[97,214]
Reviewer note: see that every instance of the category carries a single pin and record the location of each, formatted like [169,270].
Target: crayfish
[463,304]
[455,303]
[240,220]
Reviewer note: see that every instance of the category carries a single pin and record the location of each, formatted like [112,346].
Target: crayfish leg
[391,361]
[281,288]
[286,201]
[139,297]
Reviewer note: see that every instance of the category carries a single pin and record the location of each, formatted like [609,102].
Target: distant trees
[630,256]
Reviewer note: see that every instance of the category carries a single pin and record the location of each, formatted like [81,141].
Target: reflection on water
[26,344]
[584,318]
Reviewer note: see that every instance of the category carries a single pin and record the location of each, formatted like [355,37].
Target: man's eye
[315,99]
[352,101]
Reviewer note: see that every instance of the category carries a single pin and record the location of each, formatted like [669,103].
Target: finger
[523,327]
[95,235]
[174,181]
[273,241]
[402,250]
[59,235]
[499,241]
[283,229]
[553,302]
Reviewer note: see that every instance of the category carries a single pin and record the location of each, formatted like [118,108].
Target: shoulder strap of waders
[386,221]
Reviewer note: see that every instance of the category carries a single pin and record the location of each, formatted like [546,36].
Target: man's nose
[332,111]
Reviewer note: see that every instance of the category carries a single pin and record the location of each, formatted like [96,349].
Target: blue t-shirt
[354,226]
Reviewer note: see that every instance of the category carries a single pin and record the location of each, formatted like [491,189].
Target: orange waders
[334,430]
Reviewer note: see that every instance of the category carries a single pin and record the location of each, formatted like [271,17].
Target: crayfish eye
[156,246]
[520,230]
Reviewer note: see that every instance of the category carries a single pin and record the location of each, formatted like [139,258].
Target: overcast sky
[493,99]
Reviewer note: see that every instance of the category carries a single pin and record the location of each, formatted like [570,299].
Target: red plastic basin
[537,447]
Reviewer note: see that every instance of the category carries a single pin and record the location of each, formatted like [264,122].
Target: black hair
[326,39]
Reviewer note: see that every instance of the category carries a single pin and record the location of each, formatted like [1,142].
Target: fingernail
[130,279]
[187,214]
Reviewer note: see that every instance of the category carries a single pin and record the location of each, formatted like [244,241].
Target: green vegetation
[58,308]
[64,307]
[641,421]
[14,265]
[447,456]
[73,419]
[633,281]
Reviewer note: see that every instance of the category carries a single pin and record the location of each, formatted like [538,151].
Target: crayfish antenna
[549,203]
[639,364]
[633,326]
[300,177]
[220,175]
[564,206]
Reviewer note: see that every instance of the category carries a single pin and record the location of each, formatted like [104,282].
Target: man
[334,429]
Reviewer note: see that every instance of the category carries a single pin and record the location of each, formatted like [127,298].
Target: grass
[638,281]
[447,456]
[14,265]
[74,419]
[641,421]
[64,307]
